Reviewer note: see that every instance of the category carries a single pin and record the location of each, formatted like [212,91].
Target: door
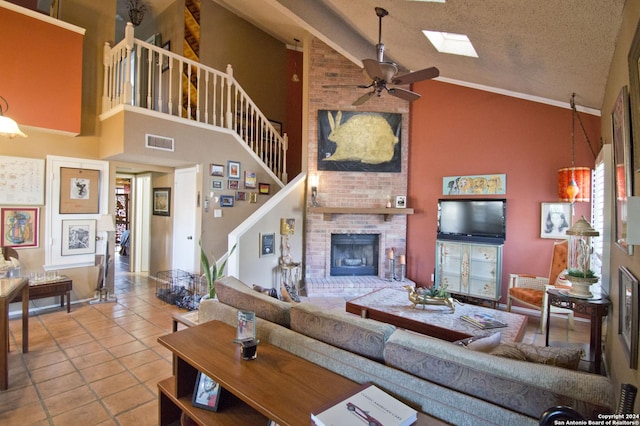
[185,230]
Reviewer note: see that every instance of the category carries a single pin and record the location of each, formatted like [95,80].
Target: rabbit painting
[367,138]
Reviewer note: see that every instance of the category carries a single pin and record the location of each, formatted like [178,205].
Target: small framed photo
[217,183]
[401,201]
[233,184]
[233,170]
[20,227]
[206,393]
[250,180]
[264,188]
[162,201]
[241,195]
[267,244]
[226,201]
[216,170]
[78,237]
[253,197]
[628,315]
[555,220]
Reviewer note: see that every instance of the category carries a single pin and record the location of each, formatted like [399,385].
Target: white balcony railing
[144,75]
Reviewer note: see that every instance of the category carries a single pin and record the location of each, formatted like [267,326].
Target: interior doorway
[132,201]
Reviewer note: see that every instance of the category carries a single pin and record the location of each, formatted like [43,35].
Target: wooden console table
[60,286]
[10,288]
[254,391]
[596,308]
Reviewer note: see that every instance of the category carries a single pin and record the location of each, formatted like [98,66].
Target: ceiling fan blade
[412,77]
[364,98]
[405,94]
[359,86]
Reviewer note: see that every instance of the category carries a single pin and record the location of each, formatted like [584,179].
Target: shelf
[388,213]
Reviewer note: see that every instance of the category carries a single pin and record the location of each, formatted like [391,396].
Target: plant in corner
[211,271]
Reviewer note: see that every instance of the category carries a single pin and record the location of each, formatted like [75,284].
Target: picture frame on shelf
[162,201]
[20,227]
[79,191]
[216,170]
[233,169]
[555,220]
[264,188]
[622,167]
[226,201]
[401,201]
[78,237]
[267,244]
[628,315]
[206,393]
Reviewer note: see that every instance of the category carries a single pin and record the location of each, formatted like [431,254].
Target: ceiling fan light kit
[383,73]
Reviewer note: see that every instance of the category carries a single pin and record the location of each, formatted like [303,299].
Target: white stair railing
[143,75]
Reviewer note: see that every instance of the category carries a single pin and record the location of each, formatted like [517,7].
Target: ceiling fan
[384,73]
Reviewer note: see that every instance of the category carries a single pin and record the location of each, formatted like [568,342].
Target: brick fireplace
[347,189]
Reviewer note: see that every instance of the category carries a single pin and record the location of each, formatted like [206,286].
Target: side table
[9,289]
[60,286]
[595,308]
[291,275]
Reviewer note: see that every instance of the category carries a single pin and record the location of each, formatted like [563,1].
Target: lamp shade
[9,128]
[582,177]
[105,224]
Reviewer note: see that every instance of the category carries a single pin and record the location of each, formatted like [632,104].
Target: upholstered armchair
[531,290]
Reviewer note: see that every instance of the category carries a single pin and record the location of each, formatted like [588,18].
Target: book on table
[368,405]
[483,321]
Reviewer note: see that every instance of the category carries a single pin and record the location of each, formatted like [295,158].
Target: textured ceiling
[547,49]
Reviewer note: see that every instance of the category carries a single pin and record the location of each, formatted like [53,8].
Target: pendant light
[295,78]
[8,127]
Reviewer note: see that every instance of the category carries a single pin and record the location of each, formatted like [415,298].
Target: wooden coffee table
[392,305]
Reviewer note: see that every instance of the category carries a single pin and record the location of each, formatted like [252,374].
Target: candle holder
[402,271]
[392,269]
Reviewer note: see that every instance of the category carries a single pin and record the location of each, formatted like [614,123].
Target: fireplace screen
[354,254]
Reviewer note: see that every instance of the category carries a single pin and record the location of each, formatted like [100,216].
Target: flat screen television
[473,219]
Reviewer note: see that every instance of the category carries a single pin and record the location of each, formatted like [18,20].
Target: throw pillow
[508,350]
[551,355]
[285,292]
[485,344]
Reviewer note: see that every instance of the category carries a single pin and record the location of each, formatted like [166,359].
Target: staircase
[146,76]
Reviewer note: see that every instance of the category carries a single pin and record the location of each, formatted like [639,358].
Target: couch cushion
[362,336]
[560,357]
[234,292]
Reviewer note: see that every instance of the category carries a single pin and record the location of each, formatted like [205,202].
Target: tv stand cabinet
[470,269]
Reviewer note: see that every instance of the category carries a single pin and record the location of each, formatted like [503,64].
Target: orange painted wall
[45,96]
[456,130]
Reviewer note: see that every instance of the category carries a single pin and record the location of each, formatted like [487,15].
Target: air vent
[159,142]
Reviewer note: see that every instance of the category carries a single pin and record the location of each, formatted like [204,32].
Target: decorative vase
[580,286]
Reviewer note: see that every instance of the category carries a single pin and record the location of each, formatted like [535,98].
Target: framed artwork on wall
[267,244]
[264,188]
[233,168]
[27,174]
[555,220]
[622,167]
[250,180]
[628,315]
[162,201]
[226,201]
[78,237]
[216,170]
[20,227]
[79,191]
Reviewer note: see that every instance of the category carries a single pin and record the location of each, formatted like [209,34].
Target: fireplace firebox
[354,254]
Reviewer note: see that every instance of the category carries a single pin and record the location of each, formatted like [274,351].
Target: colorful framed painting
[226,201]
[555,219]
[475,185]
[78,237]
[233,170]
[250,180]
[162,201]
[20,227]
[216,170]
[622,163]
[264,188]
[79,191]
[233,184]
[241,195]
[628,315]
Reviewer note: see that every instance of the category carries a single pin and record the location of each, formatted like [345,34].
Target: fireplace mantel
[388,213]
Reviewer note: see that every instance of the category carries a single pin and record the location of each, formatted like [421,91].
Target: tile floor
[99,365]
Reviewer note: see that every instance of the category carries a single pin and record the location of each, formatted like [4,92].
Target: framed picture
[226,201]
[79,191]
[165,59]
[634,95]
[241,195]
[555,220]
[162,201]
[253,197]
[26,174]
[267,244]
[216,170]
[233,184]
[264,188]
[250,180]
[78,237]
[217,183]
[622,163]
[401,201]
[628,315]
[233,170]
[206,393]
[20,227]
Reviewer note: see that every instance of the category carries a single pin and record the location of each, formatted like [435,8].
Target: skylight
[457,44]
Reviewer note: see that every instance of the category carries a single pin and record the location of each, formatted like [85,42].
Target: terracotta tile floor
[99,364]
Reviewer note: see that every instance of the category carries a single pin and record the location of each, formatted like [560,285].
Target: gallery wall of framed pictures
[229,183]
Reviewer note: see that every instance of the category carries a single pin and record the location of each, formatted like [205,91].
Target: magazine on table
[368,405]
[483,321]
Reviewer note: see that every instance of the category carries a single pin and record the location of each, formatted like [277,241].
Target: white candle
[402,259]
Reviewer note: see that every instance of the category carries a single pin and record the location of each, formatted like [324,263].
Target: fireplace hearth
[354,254]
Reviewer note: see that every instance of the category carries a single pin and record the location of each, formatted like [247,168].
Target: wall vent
[159,142]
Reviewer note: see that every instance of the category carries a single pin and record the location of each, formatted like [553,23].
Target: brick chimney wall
[349,189]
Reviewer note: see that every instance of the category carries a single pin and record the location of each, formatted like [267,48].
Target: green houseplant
[211,270]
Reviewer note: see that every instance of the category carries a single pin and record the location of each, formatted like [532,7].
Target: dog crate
[175,285]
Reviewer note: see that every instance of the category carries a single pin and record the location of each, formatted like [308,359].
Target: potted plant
[211,270]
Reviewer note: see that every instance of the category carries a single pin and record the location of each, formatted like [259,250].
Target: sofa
[443,379]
